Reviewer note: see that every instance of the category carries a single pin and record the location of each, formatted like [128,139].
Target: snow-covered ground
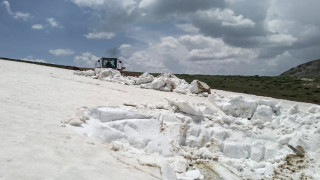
[147,134]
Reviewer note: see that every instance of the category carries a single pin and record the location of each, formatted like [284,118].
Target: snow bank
[253,139]
[164,82]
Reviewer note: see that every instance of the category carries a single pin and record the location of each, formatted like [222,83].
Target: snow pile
[164,82]
[110,75]
[171,83]
[253,139]
[143,79]
[237,106]
[167,82]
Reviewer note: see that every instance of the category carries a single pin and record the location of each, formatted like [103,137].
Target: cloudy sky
[227,37]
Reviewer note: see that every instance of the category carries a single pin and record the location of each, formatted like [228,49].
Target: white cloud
[234,1]
[120,6]
[88,3]
[187,27]
[20,15]
[126,50]
[53,23]
[186,54]
[85,60]
[61,52]
[7,5]
[16,15]
[298,20]
[144,61]
[100,35]
[37,26]
[31,58]
[274,62]
[125,46]
[226,17]
[207,48]
[283,39]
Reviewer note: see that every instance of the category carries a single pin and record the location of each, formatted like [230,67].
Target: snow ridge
[241,137]
[164,82]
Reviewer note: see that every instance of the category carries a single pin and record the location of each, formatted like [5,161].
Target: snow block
[197,87]
[236,150]
[108,73]
[270,152]
[257,151]
[143,79]
[180,164]
[167,82]
[262,114]
[314,109]
[186,107]
[240,107]
[205,153]
[194,174]
[196,136]
[106,114]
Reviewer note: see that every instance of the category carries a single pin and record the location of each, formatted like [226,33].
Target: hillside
[282,87]
[307,70]
[78,127]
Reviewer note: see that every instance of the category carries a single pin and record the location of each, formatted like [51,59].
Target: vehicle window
[109,64]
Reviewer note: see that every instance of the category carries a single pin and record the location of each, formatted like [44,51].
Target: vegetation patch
[281,87]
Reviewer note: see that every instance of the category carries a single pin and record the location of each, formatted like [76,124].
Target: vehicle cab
[113,63]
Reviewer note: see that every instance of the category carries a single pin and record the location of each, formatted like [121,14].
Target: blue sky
[245,37]
[73,23]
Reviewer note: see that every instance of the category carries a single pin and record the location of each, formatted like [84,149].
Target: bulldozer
[113,63]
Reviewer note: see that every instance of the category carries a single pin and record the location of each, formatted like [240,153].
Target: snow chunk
[236,106]
[205,153]
[194,174]
[197,87]
[143,79]
[108,72]
[263,114]
[236,150]
[314,109]
[180,164]
[186,107]
[257,151]
[106,114]
[294,110]
[114,124]
[165,82]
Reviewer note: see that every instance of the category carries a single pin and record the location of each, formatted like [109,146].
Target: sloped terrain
[308,70]
[38,103]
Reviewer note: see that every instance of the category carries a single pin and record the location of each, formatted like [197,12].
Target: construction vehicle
[113,63]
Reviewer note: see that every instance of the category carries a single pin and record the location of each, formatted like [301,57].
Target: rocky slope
[308,70]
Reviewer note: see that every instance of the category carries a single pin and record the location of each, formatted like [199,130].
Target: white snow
[164,82]
[253,142]
[136,133]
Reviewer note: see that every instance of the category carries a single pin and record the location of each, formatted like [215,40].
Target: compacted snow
[250,138]
[57,125]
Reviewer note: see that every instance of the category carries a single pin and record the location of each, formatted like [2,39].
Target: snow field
[251,138]
[35,99]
